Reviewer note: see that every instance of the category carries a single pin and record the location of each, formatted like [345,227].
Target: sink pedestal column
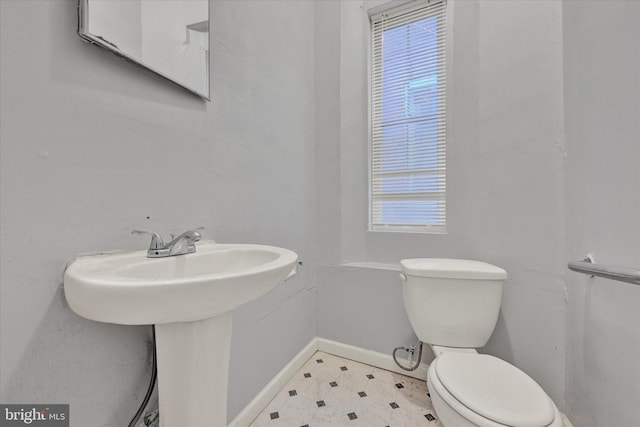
[193,371]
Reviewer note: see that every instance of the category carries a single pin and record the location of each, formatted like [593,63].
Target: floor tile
[332,391]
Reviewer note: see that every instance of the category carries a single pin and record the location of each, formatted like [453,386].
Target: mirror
[169,37]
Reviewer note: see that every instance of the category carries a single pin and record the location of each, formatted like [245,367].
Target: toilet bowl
[453,307]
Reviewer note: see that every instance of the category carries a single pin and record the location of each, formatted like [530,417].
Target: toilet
[453,307]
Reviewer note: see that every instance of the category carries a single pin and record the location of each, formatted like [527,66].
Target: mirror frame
[83,32]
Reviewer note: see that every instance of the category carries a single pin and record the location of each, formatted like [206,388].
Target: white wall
[602,98]
[505,186]
[93,147]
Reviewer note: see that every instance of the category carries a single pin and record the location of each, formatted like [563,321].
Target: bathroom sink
[190,299]
[131,289]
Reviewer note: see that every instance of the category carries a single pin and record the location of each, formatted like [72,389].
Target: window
[408,118]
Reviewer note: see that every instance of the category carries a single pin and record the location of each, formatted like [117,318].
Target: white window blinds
[408,118]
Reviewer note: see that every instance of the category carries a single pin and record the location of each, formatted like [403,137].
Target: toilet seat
[480,388]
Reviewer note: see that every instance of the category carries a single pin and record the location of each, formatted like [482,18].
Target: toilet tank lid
[452,269]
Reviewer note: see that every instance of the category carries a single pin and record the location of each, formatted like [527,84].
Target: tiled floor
[332,391]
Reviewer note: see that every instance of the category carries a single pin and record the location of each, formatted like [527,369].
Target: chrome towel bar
[622,274]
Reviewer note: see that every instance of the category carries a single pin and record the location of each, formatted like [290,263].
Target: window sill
[409,230]
[372,265]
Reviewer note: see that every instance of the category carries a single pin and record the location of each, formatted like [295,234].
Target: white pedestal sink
[190,299]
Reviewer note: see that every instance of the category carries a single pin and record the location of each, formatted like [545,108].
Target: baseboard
[565,421]
[266,395]
[373,358]
[358,354]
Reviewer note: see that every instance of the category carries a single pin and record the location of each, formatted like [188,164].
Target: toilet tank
[452,302]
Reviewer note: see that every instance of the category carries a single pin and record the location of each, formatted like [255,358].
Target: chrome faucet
[183,244]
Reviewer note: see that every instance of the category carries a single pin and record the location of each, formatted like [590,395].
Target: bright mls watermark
[34,415]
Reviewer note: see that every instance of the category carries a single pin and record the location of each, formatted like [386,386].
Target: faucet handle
[193,235]
[156,239]
[193,231]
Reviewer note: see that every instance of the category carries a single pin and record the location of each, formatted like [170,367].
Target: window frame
[393,9]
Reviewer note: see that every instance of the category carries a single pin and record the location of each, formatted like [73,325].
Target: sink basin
[190,299]
[131,289]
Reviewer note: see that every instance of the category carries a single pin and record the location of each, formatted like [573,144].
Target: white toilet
[453,306]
